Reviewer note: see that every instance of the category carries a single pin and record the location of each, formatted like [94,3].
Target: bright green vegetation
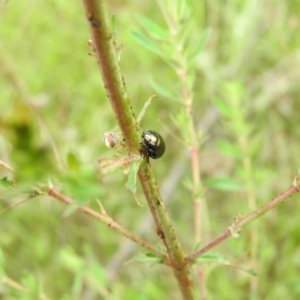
[54,112]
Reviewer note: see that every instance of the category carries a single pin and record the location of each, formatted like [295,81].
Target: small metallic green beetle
[153,143]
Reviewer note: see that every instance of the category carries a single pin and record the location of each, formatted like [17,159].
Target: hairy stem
[97,16]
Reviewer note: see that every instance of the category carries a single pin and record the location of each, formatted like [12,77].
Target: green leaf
[113,24]
[221,260]
[251,272]
[222,107]
[132,176]
[233,92]
[73,161]
[181,121]
[182,10]
[69,259]
[162,90]
[147,258]
[212,257]
[143,110]
[146,42]
[29,281]
[226,184]
[97,272]
[154,30]
[228,148]
[77,283]
[6,182]
[194,52]
[255,143]
[197,246]
[161,248]
[188,184]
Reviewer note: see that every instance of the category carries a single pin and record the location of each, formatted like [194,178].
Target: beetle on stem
[153,144]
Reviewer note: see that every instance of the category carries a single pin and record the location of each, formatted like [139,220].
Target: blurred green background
[54,112]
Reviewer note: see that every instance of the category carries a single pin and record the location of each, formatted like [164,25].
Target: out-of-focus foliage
[54,112]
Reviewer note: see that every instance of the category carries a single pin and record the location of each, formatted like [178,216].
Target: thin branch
[5,280]
[103,218]
[238,226]
[6,166]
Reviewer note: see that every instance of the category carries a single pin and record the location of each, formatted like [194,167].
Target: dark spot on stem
[160,233]
[93,22]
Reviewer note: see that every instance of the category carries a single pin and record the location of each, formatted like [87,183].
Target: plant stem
[167,234]
[96,12]
[6,166]
[97,16]
[238,226]
[104,218]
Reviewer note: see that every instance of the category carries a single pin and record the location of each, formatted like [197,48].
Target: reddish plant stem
[107,221]
[238,226]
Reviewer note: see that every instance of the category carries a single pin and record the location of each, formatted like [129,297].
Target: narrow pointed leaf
[6,182]
[224,184]
[143,110]
[153,29]
[162,90]
[199,45]
[145,41]
[132,176]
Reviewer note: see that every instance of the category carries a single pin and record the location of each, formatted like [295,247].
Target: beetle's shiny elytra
[153,143]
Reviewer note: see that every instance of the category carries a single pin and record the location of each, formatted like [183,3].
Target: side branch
[238,226]
[103,218]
